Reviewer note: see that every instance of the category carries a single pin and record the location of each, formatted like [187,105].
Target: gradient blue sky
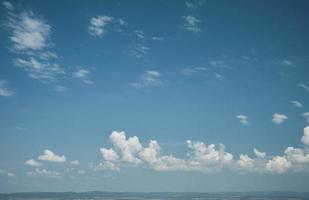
[211,72]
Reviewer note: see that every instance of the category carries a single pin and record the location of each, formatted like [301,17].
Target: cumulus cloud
[83,75]
[129,151]
[305,138]
[279,118]
[44,173]
[193,4]
[33,163]
[191,23]
[51,156]
[4,90]
[243,119]
[297,104]
[148,78]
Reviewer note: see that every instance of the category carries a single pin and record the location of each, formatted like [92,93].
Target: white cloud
[279,118]
[149,78]
[30,36]
[6,173]
[74,162]
[51,156]
[8,5]
[157,38]
[83,75]
[304,86]
[128,151]
[259,154]
[109,154]
[140,34]
[138,50]
[33,163]
[297,104]
[287,62]
[97,27]
[4,91]
[81,172]
[191,24]
[305,137]
[192,70]
[44,173]
[243,119]
[10,174]
[193,4]
[306,115]
[29,32]
[278,164]
[39,70]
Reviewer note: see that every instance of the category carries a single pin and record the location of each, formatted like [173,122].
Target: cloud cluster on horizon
[129,151]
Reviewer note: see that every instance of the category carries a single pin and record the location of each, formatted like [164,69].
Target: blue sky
[170,95]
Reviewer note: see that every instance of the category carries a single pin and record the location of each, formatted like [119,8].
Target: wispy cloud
[31,43]
[304,86]
[188,71]
[297,104]
[7,173]
[148,78]
[8,5]
[243,119]
[193,4]
[83,75]
[157,38]
[4,90]
[191,23]
[99,25]
[44,173]
[279,118]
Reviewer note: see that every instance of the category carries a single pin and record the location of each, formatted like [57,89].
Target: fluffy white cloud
[33,163]
[128,151]
[243,119]
[149,78]
[279,118]
[44,173]
[305,138]
[109,154]
[191,23]
[4,91]
[278,164]
[51,156]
